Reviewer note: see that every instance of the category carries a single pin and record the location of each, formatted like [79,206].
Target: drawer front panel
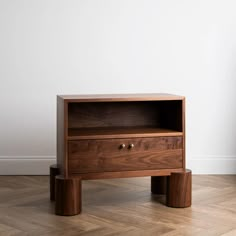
[86,156]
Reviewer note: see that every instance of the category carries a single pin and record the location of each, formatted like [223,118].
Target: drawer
[87,156]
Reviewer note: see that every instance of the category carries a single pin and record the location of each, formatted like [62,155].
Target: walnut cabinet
[116,136]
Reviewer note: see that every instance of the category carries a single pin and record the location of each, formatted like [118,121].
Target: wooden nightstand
[115,136]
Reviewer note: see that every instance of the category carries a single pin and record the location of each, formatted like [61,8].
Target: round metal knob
[131,145]
[122,146]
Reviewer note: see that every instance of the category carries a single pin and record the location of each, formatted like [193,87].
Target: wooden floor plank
[118,207]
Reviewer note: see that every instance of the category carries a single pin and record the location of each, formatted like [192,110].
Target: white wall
[51,47]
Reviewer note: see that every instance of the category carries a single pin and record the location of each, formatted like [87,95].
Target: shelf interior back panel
[157,114]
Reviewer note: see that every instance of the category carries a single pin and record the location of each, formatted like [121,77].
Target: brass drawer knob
[131,146]
[122,146]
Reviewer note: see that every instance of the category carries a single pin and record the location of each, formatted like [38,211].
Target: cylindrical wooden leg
[179,189]
[68,196]
[158,184]
[54,170]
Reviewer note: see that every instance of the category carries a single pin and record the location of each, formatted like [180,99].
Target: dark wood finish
[145,114]
[62,131]
[134,161]
[68,196]
[183,129]
[118,207]
[113,146]
[54,171]
[119,132]
[106,114]
[171,115]
[125,174]
[115,136]
[179,189]
[107,155]
[158,184]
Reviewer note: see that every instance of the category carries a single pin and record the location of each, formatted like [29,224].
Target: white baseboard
[39,165]
[35,165]
[213,165]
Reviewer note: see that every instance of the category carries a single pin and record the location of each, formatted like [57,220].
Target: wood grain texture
[179,189]
[118,207]
[106,155]
[156,114]
[124,174]
[112,146]
[120,97]
[93,128]
[68,196]
[62,135]
[133,161]
[113,114]
[120,132]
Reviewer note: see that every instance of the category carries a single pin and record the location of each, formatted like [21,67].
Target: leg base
[179,189]
[54,170]
[68,196]
[158,184]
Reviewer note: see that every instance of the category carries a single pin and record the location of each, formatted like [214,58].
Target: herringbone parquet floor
[118,207]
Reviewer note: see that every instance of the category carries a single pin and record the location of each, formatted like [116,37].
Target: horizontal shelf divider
[119,132]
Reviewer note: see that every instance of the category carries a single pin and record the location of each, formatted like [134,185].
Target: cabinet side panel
[184,134]
[61,135]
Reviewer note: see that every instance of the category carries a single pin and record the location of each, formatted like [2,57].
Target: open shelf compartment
[92,120]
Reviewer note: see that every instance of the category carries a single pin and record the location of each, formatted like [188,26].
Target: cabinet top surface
[120,97]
